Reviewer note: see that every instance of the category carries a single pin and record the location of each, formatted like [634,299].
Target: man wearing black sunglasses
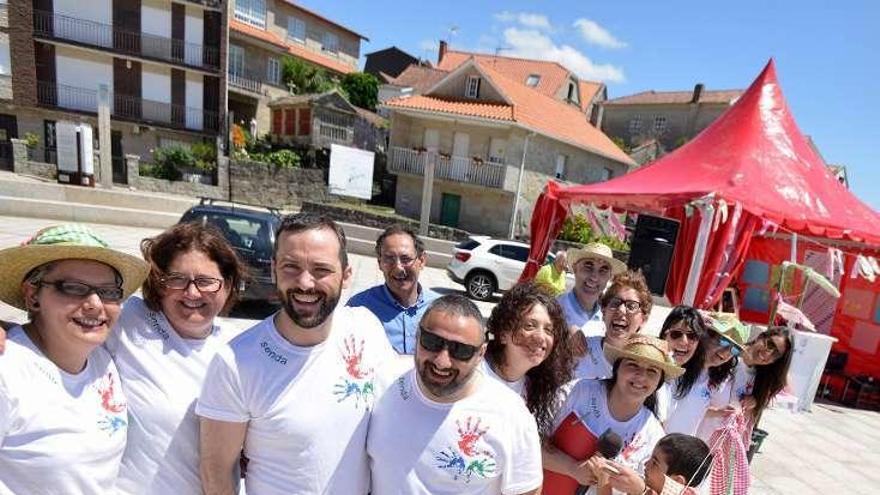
[465,433]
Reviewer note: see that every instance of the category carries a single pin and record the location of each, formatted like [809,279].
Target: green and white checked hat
[63,242]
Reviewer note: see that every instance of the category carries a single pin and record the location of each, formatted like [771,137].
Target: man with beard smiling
[295,390]
[401,301]
[444,427]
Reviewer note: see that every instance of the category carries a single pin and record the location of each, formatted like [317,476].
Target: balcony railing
[245,82]
[458,169]
[150,46]
[128,107]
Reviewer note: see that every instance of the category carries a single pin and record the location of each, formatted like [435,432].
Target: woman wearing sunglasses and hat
[528,348]
[63,415]
[622,404]
[686,407]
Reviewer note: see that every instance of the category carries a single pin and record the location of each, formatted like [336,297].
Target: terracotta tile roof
[676,97]
[530,108]
[588,90]
[553,75]
[470,108]
[554,118]
[419,78]
[295,50]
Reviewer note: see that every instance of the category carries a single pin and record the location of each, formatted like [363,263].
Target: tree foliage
[301,77]
[361,89]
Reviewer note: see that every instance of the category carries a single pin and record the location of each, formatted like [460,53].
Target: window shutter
[276,121]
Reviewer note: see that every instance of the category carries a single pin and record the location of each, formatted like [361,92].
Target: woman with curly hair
[529,349]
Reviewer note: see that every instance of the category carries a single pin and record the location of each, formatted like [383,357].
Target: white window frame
[660,123]
[472,87]
[273,70]
[635,125]
[5,61]
[236,60]
[533,80]
[330,42]
[252,12]
[560,166]
[296,29]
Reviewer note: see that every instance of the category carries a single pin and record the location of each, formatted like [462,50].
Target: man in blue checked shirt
[401,301]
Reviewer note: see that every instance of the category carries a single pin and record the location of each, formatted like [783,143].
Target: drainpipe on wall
[522,166]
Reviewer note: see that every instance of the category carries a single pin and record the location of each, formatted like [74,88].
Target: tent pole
[690,291]
[794,242]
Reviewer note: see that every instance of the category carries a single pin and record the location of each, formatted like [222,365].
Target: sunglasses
[432,342]
[81,290]
[727,344]
[678,334]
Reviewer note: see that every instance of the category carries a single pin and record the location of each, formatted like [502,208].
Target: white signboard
[351,172]
[65,139]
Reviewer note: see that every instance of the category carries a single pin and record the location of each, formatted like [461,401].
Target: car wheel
[480,285]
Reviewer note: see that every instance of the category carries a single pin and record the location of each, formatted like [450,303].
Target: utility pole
[522,166]
[427,192]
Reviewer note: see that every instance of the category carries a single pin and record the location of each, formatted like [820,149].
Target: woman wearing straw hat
[529,349]
[625,308]
[63,416]
[686,407]
[622,404]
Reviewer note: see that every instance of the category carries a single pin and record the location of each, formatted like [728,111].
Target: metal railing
[335,132]
[97,34]
[458,169]
[245,82]
[128,107]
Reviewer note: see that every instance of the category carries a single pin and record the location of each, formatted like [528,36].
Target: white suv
[485,265]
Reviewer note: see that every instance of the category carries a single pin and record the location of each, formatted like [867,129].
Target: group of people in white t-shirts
[105,392]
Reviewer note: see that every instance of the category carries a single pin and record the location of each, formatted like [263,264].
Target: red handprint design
[469,436]
[107,393]
[352,354]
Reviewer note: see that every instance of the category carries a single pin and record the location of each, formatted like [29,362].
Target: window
[331,43]
[635,125]
[236,60]
[572,92]
[273,70]
[533,80]
[49,137]
[516,253]
[252,12]
[296,29]
[659,124]
[605,174]
[560,166]
[5,68]
[472,88]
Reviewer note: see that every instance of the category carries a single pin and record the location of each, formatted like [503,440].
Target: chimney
[698,91]
[442,52]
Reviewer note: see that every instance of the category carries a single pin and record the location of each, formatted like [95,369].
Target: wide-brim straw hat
[647,350]
[63,242]
[728,326]
[595,250]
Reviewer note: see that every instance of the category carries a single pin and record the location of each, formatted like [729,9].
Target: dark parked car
[251,231]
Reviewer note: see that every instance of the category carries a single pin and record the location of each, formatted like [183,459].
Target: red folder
[573,438]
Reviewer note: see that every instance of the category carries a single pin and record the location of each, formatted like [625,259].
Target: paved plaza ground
[829,450]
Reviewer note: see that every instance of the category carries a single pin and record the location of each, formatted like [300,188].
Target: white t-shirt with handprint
[486,443]
[59,432]
[307,408]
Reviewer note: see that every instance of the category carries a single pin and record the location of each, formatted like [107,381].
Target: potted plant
[32,140]
[477,160]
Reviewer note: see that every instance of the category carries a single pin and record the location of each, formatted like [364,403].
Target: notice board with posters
[854,318]
[351,172]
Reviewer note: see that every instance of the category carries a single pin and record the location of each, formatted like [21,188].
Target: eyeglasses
[176,281]
[81,290]
[629,305]
[432,342]
[678,334]
[405,261]
[726,343]
[771,346]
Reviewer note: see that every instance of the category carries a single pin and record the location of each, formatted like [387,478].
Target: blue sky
[827,53]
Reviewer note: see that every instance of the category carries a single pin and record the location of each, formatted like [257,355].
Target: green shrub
[31,139]
[282,159]
[578,229]
[169,162]
[205,155]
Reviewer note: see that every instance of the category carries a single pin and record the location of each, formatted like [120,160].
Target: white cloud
[526,19]
[428,45]
[530,43]
[596,34]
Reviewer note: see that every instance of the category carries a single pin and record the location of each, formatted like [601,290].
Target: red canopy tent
[751,168]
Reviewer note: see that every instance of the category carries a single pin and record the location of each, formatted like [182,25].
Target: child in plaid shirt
[678,463]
